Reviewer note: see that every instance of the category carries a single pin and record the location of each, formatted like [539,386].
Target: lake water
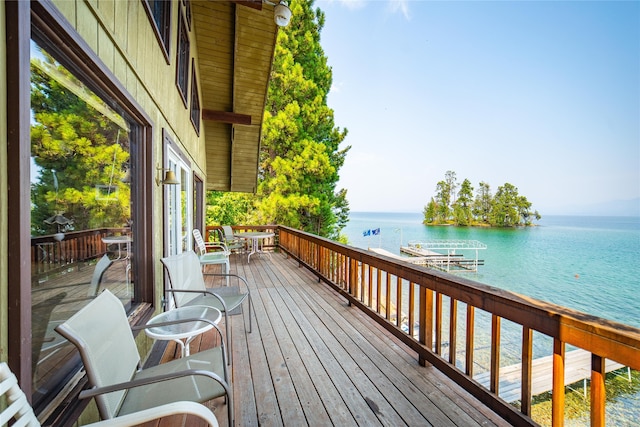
[591,264]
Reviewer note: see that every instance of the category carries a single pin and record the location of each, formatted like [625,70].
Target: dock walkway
[577,368]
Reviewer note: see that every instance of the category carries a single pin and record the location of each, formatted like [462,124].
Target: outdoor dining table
[255,237]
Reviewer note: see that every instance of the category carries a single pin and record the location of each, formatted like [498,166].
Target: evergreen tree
[300,156]
[504,211]
[463,204]
[443,198]
[430,212]
[482,203]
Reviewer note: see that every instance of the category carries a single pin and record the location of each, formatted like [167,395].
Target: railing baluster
[378,290]
[453,326]
[468,368]
[439,323]
[388,297]
[557,394]
[527,357]
[494,383]
[412,307]
[398,301]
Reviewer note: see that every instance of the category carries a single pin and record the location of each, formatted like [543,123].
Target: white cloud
[401,6]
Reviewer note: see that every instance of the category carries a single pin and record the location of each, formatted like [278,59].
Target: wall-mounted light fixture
[281,13]
[169,177]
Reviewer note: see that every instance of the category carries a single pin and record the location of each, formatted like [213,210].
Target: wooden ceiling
[235,41]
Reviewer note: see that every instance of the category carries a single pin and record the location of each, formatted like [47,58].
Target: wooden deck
[313,360]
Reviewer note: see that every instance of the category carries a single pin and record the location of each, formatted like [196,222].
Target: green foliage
[228,208]
[81,156]
[506,209]
[300,156]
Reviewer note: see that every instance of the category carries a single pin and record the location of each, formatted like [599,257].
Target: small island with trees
[450,206]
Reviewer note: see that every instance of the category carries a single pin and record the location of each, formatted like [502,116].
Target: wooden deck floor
[313,360]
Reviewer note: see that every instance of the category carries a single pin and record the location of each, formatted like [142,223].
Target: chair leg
[229,339]
[227,270]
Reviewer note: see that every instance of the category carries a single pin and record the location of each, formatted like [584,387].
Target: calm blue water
[591,264]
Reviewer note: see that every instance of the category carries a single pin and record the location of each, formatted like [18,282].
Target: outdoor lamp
[281,13]
[169,177]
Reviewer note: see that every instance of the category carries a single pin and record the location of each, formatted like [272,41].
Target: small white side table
[183,331]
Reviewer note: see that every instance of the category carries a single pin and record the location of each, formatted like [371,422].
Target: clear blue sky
[544,95]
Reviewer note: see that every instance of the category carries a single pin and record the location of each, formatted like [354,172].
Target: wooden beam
[253,4]
[226,117]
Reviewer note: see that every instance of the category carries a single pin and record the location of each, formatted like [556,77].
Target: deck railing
[438,315]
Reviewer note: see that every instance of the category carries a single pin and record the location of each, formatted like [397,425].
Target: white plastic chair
[101,333]
[21,412]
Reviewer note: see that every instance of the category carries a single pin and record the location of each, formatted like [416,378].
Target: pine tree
[300,156]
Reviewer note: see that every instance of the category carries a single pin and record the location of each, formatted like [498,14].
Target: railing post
[597,390]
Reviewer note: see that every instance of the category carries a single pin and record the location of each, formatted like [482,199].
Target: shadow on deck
[313,360]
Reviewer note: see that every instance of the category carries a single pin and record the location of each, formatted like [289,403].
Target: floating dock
[444,254]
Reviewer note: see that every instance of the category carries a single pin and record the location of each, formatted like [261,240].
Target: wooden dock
[425,253]
[577,368]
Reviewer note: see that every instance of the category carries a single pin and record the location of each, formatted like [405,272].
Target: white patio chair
[186,284]
[101,333]
[19,410]
[212,253]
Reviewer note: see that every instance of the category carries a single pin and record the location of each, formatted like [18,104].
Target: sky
[544,95]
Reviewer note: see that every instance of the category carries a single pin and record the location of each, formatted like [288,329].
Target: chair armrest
[216,245]
[246,284]
[175,408]
[95,391]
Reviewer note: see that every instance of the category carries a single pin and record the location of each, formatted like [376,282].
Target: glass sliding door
[179,205]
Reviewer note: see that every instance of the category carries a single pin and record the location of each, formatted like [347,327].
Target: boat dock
[577,368]
[443,254]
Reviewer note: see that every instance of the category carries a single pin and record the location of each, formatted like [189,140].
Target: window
[87,161]
[182,63]
[195,100]
[159,12]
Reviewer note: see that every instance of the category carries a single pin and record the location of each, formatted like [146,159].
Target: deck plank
[313,360]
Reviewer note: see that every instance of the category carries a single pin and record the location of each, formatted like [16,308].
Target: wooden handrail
[372,282]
